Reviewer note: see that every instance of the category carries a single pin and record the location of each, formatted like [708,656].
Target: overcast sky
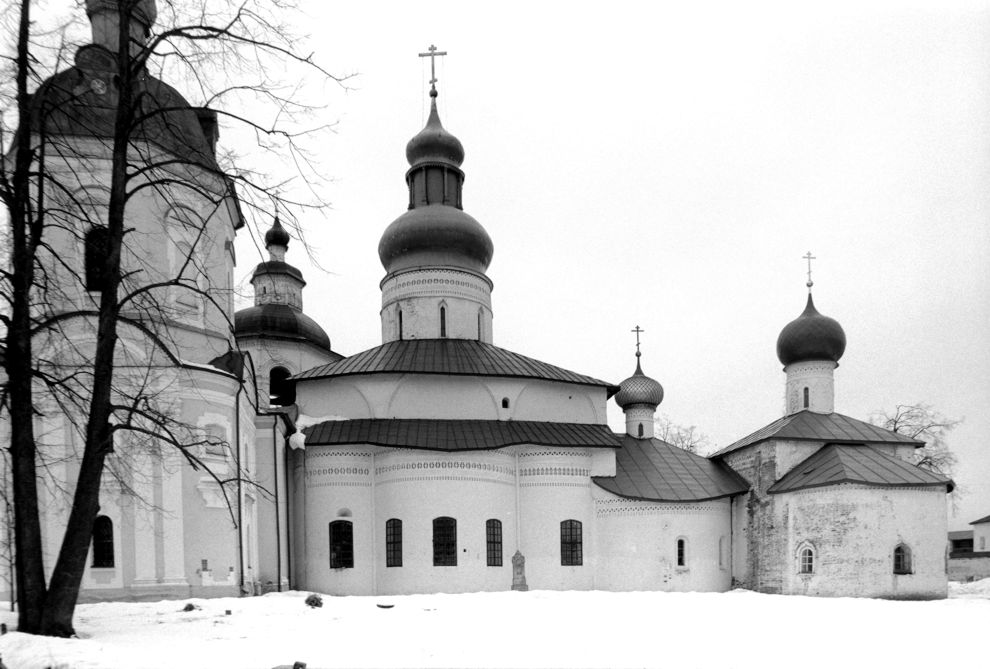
[669,167]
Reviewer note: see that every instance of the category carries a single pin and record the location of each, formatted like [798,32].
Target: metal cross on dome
[432,53]
[809,258]
[638,330]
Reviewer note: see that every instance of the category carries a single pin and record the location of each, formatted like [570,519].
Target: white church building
[436,461]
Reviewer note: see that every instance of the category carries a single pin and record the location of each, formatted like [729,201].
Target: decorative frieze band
[445,464]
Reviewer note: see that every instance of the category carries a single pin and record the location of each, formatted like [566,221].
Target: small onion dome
[434,144]
[639,389]
[811,336]
[277,235]
[279,321]
[435,235]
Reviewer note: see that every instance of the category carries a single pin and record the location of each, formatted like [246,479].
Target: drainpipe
[288,511]
[240,499]
[278,525]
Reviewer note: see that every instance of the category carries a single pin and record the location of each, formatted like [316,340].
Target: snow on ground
[739,629]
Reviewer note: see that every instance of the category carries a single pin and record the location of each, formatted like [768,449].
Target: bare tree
[925,423]
[690,438]
[96,343]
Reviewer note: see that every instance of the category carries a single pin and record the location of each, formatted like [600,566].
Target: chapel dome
[277,235]
[279,321]
[81,101]
[639,389]
[811,336]
[434,144]
[435,235]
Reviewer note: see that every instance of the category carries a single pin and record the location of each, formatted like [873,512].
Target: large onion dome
[811,336]
[639,389]
[435,231]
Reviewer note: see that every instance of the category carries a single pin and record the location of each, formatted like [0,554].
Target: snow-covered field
[511,629]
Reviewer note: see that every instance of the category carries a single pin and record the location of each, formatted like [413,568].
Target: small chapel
[437,461]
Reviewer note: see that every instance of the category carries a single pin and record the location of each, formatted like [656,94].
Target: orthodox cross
[432,54]
[809,258]
[637,330]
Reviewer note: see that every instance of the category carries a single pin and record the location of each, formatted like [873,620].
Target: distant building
[969,552]
[437,461]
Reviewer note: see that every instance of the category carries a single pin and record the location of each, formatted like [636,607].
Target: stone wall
[970,567]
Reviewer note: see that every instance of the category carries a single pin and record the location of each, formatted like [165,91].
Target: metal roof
[651,469]
[843,463]
[457,435]
[465,357]
[981,520]
[281,321]
[807,425]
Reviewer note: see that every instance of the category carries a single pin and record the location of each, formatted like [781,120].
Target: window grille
[806,561]
[103,542]
[444,542]
[493,533]
[902,559]
[571,553]
[341,544]
[681,552]
[393,543]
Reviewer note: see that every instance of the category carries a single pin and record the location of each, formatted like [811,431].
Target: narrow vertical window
[444,542]
[571,543]
[806,398]
[806,561]
[682,552]
[479,326]
[639,432]
[97,249]
[341,544]
[281,391]
[493,536]
[400,324]
[505,402]
[393,543]
[103,542]
[443,322]
[902,559]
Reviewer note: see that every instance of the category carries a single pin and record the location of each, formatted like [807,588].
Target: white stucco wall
[981,537]
[818,377]
[420,293]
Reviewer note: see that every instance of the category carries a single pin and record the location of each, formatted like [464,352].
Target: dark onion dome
[811,336]
[279,321]
[639,389]
[277,235]
[81,101]
[435,235]
[434,144]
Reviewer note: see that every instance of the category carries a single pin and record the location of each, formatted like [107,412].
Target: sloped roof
[842,463]
[981,520]
[651,469]
[457,435]
[807,425]
[459,357]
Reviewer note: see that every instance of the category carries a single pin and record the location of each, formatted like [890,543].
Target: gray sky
[668,167]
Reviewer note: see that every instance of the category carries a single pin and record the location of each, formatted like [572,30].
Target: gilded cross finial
[432,53]
[637,330]
[809,258]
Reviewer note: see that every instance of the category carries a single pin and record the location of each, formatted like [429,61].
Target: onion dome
[277,235]
[811,336]
[435,231]
[639,389]
[279,321]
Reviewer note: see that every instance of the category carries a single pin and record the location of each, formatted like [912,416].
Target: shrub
[314,601]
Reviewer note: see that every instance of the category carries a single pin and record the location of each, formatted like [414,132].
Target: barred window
[103,542]
[902,559]
[493,533]
[682,552]
[393,543]
[444,542]
[341,544]
[570,543]
[806,561]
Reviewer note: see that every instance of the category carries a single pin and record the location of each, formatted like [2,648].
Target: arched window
[393,542]
[400,324]
[97,249]
[281,391]
[443,321]
[806,561]
[444,542]
[341,544]
[216,439]
[571,543]
[682,552]
[806,398]
[639,432]
[902,559]
[103,542]
[505,402]
[493,536]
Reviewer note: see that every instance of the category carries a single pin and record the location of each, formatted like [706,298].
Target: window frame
[806,559]
[571,543]
[681,553]
[903,562]
[343,532]
[493,542]
[393,542]
[444,541]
